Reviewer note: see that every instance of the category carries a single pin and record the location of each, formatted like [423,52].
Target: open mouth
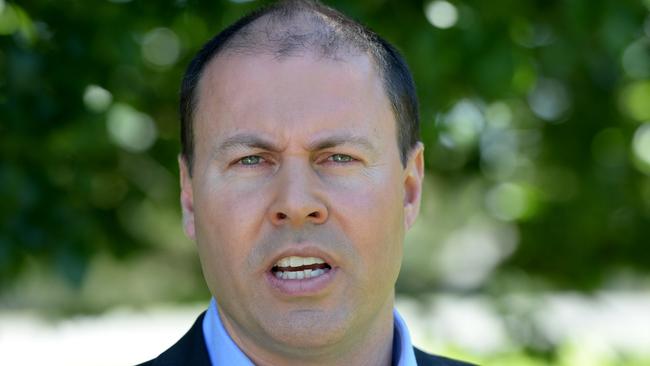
[300,268]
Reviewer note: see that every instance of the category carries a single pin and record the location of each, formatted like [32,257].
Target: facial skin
[299,157]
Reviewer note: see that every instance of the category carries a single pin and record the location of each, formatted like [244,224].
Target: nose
[297,200]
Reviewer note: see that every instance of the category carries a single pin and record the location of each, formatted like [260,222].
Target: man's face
[297,159]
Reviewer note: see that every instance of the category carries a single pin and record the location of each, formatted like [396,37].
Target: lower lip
[305,287]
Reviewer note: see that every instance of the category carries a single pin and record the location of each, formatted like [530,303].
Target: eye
[251,160]
[341,158]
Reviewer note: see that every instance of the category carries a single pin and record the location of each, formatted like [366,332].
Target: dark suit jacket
[191,351]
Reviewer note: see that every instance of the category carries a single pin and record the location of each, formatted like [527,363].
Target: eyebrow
[342,139]
[249,140]
[246,140]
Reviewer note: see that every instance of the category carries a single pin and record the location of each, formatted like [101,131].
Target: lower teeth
[299,275]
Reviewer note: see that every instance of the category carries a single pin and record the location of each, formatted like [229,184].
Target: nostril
[314,214]
[281,216]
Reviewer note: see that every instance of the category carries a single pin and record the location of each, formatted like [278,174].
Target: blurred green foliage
[542,107]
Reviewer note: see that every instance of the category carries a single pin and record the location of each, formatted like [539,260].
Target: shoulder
[189,350]
[425,359]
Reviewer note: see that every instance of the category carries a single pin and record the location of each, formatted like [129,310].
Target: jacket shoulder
[424,359]
[189,350]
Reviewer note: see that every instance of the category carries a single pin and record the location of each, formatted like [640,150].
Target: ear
[187,198]
[413,178]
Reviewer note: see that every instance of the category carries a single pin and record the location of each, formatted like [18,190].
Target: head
[292,28]
[300,172]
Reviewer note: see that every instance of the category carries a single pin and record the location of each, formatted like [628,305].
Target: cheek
[372,215]
[227,224]
[229,207]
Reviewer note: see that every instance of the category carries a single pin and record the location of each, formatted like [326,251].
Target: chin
[309,330]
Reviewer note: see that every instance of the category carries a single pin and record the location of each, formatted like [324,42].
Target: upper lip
[303,250]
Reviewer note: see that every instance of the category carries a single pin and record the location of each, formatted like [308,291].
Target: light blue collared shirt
[223,351]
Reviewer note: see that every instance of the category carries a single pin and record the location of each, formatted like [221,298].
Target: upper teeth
[294,261]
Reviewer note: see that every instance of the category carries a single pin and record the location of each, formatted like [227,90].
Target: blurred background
[532,247]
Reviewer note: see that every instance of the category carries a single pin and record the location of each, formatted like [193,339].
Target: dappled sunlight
[130,129]
[441,14]
[160,47]
[641,147]
[96,98]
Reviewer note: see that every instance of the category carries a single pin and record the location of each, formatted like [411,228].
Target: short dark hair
[295,26]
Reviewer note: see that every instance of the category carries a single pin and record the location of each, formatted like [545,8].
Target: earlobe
[413,179]
[187,198]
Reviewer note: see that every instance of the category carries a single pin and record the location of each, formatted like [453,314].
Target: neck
[371,346]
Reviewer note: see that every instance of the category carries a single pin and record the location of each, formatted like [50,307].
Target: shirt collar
[403,354]
[223,350]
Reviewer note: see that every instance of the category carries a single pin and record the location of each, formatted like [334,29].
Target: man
[300,170]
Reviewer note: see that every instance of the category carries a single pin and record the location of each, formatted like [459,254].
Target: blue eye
[341,158]
[250,160]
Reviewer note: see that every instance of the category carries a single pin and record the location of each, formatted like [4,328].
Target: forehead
[292,95]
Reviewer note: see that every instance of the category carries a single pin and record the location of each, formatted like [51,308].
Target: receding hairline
[299,31]
[257,39]
[288,29]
